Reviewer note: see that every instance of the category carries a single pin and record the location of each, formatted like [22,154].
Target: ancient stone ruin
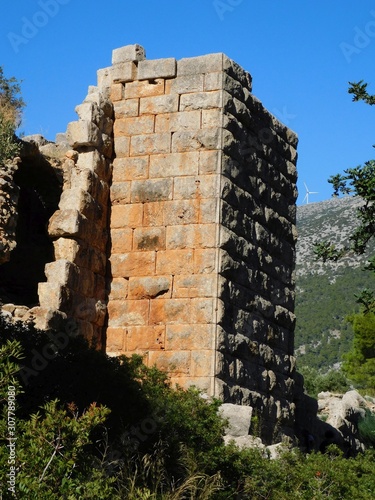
[172,218]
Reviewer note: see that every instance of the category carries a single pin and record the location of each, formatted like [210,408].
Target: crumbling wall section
[9,193]
[76,279]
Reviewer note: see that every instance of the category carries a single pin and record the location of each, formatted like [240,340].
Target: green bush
[366,427]
[316,382]
[157,443]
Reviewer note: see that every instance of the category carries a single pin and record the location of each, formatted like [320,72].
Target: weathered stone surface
[201,64]
[157,68]
[201,100]
[128,53]
[158,104]
[239,419]
[144,89]
[124,72]
[83,133]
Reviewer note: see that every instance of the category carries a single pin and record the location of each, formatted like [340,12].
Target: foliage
[323,330]
[316,382]
[70,451]
[11,105]
[366,427]
[359,363]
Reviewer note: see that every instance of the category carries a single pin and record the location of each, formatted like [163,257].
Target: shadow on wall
[40,190]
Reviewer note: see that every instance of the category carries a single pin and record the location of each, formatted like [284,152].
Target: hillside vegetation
[325,291]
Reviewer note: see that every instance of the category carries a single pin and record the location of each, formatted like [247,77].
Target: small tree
[359,363]
[11,105]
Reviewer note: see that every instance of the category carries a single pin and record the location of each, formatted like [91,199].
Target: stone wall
[202,229]
[76,279]
[175,232]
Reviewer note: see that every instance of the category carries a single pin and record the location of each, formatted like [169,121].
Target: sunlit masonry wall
[185,231]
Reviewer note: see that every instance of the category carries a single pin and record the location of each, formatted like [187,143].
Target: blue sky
[301,55]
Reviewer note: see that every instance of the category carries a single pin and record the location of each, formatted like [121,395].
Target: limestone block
[211,117]
[150,287]
[205,261]
[80,200]
[134,125]
[181,212]
[123,216]
[89,111]
[127,169]
[129,312]
[120,192]
[149,144]
[153,213]
[187,83]
[117,92]
[122,146]
[149,238]
[80,254]
[93,160]
[169,311]
[157,68]
[119,289]
[104,77]
[213,81]
[133,264]
[66,223]
[145,337]
[174,164]
[124,72]
[188,140]
[209,211]
[201,100]
[239,418]
[144,89]
[62,272]
[129,107]
[158,104]
[192,286]
[55,297]
[83,133]
[116,339]
[202,186]
[128,53]
[201,363]
[151,190]
[175,363]
[170,122]
[174,261]
[202,64]
[189,337]
[191,236]
[87,180]
[202,310]
[209,162]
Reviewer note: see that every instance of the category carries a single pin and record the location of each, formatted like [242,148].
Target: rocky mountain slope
[325,291]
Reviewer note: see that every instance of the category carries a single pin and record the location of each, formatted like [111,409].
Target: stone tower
[175,234]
